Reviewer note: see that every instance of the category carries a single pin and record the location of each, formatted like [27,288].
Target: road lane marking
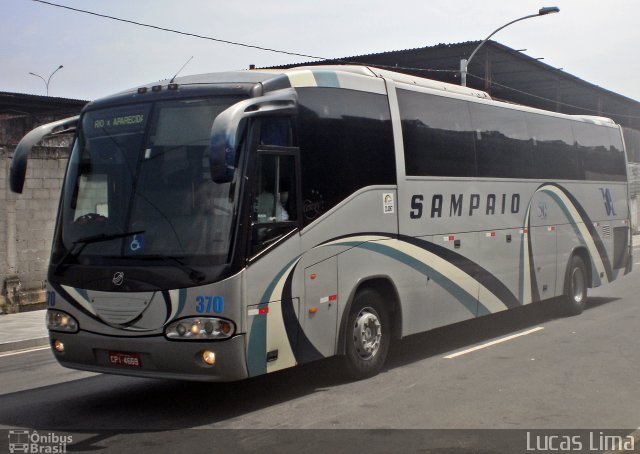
[26,350]
[494,342]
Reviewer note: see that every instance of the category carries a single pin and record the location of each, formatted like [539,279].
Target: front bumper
[159,357]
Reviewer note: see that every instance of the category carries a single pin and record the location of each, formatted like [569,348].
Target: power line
[586,109]
[234,43]
[164,29]
[336,60]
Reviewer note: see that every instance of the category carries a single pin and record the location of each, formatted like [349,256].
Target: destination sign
[116,121]
[127,120]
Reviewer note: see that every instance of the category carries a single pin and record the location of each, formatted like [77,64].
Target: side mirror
[21,155]
[229,126]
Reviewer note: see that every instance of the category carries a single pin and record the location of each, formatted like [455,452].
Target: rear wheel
[575,287]
[368,335]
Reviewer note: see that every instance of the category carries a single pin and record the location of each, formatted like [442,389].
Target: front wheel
[367,336]
[575,293]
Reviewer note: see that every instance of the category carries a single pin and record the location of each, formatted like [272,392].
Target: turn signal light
[200,328]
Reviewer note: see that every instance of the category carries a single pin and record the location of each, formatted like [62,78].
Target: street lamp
[46,82]
[464,63]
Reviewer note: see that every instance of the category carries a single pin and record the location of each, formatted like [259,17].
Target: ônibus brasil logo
[41,443]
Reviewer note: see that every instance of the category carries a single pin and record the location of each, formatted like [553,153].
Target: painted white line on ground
[26,350]
[494,342]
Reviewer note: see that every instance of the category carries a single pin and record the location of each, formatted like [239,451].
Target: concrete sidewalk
[23,330]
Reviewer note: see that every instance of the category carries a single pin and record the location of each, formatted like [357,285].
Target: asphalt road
[551,373]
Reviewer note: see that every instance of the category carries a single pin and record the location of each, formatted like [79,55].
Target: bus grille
[120,310]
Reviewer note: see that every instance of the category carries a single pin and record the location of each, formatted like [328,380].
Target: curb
[23,344]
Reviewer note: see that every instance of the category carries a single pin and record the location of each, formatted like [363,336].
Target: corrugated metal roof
[21,103]
[506,74]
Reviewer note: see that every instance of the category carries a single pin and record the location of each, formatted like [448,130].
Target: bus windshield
[138,186]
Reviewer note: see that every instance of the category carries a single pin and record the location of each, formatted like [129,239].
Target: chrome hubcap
[367,333]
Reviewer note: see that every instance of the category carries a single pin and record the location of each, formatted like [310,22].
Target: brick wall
[27,222]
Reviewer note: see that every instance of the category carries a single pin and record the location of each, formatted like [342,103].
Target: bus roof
[339,76]
[265,76]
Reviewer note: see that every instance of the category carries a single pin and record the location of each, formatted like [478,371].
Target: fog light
[59,346]
[209,357]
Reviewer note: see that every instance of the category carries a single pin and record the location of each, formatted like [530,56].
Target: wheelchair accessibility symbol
[137,243]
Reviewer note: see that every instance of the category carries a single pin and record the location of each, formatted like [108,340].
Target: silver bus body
[436,249]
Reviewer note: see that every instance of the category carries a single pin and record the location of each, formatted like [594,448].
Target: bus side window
[274,208]
[600,152]
[346,144]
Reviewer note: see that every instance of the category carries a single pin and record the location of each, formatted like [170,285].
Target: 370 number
[208,304]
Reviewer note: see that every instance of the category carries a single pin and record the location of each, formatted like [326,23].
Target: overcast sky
[594,40]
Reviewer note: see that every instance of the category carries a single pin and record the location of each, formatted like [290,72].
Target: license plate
[125,359]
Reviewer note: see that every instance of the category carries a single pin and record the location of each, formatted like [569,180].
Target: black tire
[575,287]
[367,336]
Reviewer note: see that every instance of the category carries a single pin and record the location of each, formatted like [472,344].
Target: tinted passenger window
[632,144]
[437,135]
[618,152]
[503,148]
[600,150]
[346,143]
[555,156]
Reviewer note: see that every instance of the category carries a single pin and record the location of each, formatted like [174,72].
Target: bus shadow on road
[465,334]
[116,403]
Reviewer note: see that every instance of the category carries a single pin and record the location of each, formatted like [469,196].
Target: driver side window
[275,200]
[275,204]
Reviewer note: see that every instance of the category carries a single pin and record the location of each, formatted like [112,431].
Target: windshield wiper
[83,242]
[105,237]
[195,275]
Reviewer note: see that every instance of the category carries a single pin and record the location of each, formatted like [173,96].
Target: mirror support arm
[228,127]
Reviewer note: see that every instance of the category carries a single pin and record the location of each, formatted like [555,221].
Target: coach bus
[223,226]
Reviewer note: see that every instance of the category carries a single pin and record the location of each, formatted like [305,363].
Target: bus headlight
[200,328]
[61,321]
